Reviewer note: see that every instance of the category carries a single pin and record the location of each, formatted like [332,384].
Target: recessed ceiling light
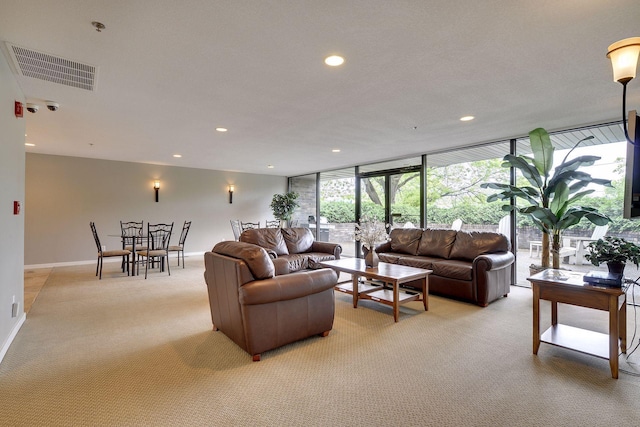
[466,118]
[334,60]
[177,155]
[335,150]
[28,144]
[270,166]
[222,129]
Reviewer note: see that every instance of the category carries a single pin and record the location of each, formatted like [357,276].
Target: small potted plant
[283,205]
[614,251]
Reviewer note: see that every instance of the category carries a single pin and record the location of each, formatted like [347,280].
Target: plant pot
[371,259]
[616,267]
[535,269]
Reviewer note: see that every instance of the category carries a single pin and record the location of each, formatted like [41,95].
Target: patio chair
[581,242]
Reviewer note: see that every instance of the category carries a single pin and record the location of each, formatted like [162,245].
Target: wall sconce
[156,187]
[624,60]
[231,188]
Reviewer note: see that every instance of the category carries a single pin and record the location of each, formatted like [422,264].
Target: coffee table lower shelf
[377,292]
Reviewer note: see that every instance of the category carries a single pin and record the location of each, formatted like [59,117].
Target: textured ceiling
[169,73]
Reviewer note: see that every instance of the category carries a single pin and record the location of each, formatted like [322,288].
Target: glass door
[392,197]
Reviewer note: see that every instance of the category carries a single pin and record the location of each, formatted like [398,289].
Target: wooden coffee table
[391,274]
[568,287]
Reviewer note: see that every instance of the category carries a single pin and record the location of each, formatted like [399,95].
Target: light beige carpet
[128,352]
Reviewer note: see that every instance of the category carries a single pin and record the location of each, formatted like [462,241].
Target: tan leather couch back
[298,240]
[471,244]
[268,238]
[436,243]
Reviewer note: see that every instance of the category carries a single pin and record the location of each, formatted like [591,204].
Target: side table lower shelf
[577,339]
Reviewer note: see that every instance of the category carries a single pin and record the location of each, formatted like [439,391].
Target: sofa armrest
[494,261]
[492,276]
[330,248]
[287,287]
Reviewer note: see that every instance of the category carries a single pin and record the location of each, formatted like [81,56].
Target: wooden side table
[560,286]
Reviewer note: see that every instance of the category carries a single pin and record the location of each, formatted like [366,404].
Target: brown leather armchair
[260,308]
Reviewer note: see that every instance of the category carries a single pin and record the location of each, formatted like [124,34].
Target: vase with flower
[369,232]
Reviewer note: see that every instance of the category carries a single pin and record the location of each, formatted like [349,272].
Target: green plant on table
[613,249]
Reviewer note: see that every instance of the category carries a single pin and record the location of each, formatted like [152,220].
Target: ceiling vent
[51,68]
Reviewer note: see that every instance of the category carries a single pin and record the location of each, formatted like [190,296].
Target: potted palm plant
[551,200]
[283,205]
[614,251]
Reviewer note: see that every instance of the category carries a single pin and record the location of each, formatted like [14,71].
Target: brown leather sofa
[258,307]
[296,245]
[470,266]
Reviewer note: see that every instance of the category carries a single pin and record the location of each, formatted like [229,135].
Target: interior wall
[63,194]
[12,161]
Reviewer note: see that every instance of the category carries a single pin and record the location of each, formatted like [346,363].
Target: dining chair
[180,246]
[106,254]
[249,225]
[272,224]
[130,230]
[237,229]
[158,236]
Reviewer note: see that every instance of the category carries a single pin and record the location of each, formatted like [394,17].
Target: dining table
[134,241]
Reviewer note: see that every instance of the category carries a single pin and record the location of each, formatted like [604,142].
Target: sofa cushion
[298,240]
[268,238]
[317,257]
[390,257]
[405,240]
[470,244]
[453,269]
[254,256]
[417,261]
[296,262]
[437,242]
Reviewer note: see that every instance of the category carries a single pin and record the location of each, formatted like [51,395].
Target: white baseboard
[12,336]
[93,261]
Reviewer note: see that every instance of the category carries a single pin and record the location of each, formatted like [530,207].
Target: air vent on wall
[51,68]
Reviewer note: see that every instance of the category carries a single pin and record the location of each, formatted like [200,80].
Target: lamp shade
[624,59]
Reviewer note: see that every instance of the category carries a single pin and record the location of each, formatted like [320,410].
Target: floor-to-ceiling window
[338,208]
[608,144]
[452,195]
[305,186]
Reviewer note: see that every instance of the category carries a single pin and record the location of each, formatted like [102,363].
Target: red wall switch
[16,207]
[18,109]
